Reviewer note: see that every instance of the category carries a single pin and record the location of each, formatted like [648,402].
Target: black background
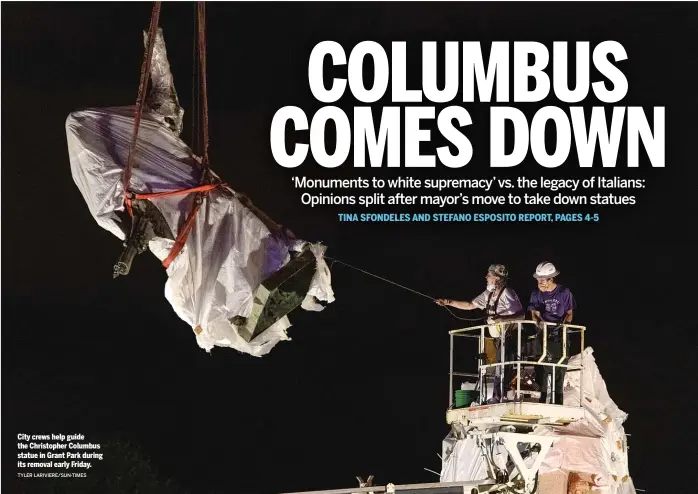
[362,387]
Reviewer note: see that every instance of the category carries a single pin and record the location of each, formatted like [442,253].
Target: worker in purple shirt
[551,303]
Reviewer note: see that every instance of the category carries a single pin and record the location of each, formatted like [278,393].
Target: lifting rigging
[233,273]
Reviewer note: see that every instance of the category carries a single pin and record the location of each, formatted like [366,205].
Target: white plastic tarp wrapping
[596,445]
[229,251]
[463,460]
[596,397]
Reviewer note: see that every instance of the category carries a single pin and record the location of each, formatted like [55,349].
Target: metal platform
[538,363]
[509,426]
[515,413]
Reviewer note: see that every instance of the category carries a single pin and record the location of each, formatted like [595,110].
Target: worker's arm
[571,305]
[569,317]
[456,303]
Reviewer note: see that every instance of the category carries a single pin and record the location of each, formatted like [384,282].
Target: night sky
[362,388]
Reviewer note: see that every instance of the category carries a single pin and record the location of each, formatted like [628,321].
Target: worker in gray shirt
[500,303]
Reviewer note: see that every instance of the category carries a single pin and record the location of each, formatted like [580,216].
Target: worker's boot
[162,99]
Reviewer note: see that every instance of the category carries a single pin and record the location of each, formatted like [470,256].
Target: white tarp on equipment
[463,460]
[229,251]
[596,446]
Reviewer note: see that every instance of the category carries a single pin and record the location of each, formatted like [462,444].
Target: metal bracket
[511,441]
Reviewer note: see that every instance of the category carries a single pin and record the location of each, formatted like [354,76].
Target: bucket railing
[478,332]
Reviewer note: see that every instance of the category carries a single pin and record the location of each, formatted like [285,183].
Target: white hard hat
[546,270]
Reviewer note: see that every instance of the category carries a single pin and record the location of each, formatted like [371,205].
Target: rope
[205,187]
[403,287]
[380,278]
[140,101]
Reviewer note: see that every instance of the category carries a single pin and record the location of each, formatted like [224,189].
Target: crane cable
[205,185]
[140,101]
[201,16]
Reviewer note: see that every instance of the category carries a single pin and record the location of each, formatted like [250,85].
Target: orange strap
[202,191]
[128,202]
[182,236]
[200,188]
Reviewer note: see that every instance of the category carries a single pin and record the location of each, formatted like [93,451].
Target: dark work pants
[554,352]
[509,371]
